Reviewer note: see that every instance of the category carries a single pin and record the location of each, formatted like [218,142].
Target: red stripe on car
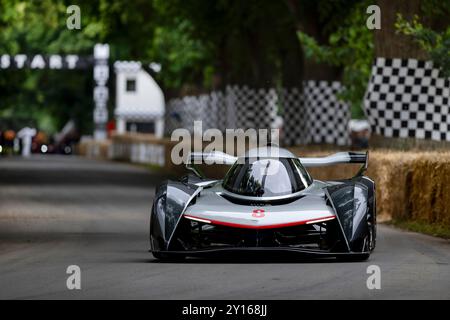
[270,226]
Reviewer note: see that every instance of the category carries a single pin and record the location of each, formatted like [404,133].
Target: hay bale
[389,170]
[429,195]
[410,185]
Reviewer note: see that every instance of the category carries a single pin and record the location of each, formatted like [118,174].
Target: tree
[348,46]
[252,42]
[433,39]
[389,43]
[48,97]
[31,27]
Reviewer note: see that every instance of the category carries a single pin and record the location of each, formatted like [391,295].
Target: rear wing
[213,157]
[338,158]
[217,157]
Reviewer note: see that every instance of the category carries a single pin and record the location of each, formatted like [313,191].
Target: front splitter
[223,252]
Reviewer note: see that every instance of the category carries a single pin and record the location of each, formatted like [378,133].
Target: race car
[267,203]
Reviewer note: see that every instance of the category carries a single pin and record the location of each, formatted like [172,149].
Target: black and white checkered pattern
[251,108]
[241,108]
[182,112]
[408,98]
[295,118]
[316,115]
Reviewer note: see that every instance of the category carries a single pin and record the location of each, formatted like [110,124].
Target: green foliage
[49,98]
[350,46]
[40,26]
[184,59]
[201,44]
[435,9]
[140,29]
[436,44]
[245,42]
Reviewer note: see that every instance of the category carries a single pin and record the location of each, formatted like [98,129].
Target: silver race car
[267,203]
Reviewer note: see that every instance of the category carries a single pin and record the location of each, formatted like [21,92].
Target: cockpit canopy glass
[268,177]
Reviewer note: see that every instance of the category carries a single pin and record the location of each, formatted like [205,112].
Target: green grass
[437,230]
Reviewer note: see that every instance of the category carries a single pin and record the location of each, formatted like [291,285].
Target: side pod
[354,210]
[171,200]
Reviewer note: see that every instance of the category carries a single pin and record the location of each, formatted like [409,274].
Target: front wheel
[366,243]
[371,237]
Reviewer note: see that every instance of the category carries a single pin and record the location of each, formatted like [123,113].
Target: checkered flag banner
[311,115]
[315,115]
[407,98]
[208,108]
[251,108]
[236,107]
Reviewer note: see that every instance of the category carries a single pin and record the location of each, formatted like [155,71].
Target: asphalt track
[60,211]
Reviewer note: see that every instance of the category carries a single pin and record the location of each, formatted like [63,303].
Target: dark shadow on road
[75,171]
[231,260]
[79,177]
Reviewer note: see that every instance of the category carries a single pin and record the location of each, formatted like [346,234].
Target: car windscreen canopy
[268,177]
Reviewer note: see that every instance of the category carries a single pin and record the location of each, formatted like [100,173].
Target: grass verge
[437,230]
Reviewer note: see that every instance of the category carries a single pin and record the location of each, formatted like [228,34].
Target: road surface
[60,211]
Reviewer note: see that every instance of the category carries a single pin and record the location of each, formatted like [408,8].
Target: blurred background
[204,47]
[91,92]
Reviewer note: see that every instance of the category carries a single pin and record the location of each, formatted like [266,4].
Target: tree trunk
[309,23]
[390,44]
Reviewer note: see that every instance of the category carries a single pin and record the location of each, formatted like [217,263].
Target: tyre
[371,237]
